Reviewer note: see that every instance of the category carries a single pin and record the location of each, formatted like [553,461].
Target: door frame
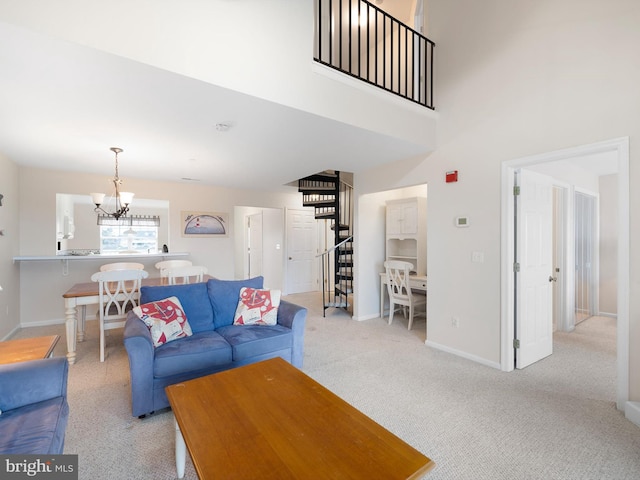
[619,146]
[561,294]
[249,234]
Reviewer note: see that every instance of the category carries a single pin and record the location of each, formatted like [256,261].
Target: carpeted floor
[554,420]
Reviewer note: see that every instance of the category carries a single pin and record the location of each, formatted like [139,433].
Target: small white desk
[417,282]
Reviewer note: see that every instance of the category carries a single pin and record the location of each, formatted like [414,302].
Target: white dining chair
[119,293]
[397,273]
[167,264]
[185,275]
[121,266]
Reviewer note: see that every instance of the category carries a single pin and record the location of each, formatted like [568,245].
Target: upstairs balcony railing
[357,38]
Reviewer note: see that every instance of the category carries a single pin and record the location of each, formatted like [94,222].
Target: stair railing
[327,261]
[357,38]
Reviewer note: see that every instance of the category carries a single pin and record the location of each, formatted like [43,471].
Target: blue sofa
[33,405]
[216,344]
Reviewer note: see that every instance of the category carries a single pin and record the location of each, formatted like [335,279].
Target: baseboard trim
[632,412]
[362,318]
[10,334]
[460,353]
[54,321]
[42,323]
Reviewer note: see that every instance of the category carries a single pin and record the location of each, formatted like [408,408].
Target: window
[123,238]
[130,234]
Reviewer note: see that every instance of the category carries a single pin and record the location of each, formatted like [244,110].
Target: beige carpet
[553,420]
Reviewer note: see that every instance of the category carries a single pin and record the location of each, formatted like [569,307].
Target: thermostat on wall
[462,221]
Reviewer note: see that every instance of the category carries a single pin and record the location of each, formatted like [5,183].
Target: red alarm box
[452,176]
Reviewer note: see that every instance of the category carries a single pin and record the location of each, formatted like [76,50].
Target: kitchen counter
[97,256]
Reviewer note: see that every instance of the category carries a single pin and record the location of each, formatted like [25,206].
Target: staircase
[331,198]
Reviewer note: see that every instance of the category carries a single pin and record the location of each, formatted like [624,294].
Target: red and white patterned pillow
[257,307]
[166,320]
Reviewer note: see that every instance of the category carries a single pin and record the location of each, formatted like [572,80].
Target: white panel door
[255,244]
[534,254]
[301,251]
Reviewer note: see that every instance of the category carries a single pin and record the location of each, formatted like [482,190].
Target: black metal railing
[359,39]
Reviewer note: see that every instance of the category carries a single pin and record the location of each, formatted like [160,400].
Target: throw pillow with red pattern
[257,307]
[166,320]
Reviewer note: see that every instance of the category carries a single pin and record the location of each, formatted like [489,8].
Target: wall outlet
[455,322]
[477,257]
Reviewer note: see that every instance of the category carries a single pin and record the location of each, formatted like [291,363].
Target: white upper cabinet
[406,232]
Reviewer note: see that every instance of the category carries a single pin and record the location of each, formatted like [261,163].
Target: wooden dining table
[81,295]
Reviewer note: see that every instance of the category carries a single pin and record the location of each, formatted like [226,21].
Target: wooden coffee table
[25,349]
[268,420]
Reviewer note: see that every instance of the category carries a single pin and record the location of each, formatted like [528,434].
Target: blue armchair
[33,406]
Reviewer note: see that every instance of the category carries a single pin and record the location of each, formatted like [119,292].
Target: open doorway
[617,151]
[586,221]
[259,239]
[371,254]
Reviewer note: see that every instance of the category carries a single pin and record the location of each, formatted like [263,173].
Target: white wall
[580,178]
[9,244]
[514,79]
[608,244]
[38,189]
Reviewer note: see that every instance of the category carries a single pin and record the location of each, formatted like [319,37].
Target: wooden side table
[25,349]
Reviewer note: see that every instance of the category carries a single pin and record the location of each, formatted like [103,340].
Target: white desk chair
[399,290]
[167,264]
[185,275]
[119,293]
[121,266]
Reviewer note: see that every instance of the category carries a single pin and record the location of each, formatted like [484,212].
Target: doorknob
[553,279]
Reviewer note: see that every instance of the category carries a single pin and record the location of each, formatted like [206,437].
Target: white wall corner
[362,318]
[460,353]
[10,334]
[632,412]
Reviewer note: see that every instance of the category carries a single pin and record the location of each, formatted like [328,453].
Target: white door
[534,254]
[255,244]
[301,250]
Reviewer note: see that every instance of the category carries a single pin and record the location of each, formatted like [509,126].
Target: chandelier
[123,199]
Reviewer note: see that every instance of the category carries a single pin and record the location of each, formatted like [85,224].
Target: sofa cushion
[38,428]
[200,351]
[165,319]
[251,340]
[193,297]
[257,307]
[224,295]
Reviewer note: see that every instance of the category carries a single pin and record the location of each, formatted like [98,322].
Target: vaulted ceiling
[64,105]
